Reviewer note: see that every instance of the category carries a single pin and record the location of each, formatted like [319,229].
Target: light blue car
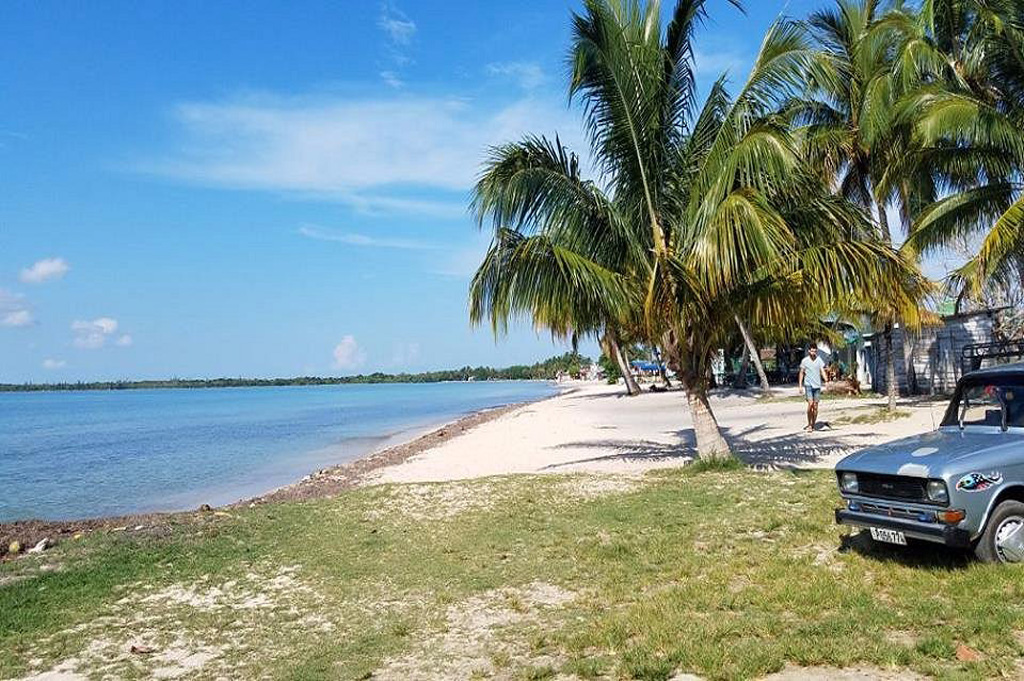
[961,485]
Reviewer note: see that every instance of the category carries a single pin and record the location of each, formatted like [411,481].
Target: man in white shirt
[812,377]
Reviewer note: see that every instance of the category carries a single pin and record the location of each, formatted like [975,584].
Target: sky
[196,189]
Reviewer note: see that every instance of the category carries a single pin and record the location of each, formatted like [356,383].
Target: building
[927,361]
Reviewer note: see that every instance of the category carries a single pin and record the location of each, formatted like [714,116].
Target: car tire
[1005,513]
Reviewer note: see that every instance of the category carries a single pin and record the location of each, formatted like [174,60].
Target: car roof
[1015,369]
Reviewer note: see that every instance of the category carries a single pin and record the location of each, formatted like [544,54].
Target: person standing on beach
[811,379]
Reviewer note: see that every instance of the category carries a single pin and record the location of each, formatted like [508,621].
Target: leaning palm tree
[567,279]
[703,213]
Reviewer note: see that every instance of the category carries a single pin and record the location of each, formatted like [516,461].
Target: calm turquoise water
[82,454]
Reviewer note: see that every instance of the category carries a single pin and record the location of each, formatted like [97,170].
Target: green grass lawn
[725,574]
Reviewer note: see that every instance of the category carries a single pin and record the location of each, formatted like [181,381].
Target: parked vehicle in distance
[961,485]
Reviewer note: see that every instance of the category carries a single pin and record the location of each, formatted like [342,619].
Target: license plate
[888,536]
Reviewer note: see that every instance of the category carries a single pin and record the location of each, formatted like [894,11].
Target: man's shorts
[813,394]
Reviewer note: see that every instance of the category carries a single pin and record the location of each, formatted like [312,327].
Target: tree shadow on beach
[783,451]
[619,394]
[791,450]
[632,450]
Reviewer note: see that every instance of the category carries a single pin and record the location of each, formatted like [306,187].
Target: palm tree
[853,134]
[969,114]
[753,354]
[703,214]
[566,278]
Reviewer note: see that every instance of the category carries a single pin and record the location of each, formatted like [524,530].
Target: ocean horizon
[83,454]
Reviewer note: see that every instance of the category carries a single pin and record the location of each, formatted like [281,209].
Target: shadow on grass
[916,554]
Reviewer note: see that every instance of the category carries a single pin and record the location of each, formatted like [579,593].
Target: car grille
[891,511]
[892,487]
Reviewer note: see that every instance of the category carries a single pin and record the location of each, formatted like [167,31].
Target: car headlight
[936,490]
[848,483]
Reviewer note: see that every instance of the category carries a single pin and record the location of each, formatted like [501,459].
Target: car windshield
[996,402]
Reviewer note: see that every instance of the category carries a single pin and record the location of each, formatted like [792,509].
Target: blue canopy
[644,366]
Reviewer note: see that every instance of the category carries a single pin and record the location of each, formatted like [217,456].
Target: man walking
[811,379]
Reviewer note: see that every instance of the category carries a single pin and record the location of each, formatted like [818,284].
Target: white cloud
[17,318]
[714,64]
[45,270]
[54,364]
[392,79]
[124,341]
[348,354]
[396,24]
[405,354]
[354,239]
[14,310]
[528,75]
[92,335]
[399,31]
[376,155]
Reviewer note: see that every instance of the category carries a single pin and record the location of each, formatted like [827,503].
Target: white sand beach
[596,428]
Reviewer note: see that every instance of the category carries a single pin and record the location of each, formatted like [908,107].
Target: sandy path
[596,429]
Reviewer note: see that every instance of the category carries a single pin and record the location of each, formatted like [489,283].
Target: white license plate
[888,536]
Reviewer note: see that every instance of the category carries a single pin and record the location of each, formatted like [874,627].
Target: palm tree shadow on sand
[785,451]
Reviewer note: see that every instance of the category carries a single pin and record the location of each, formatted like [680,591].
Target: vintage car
[961,485]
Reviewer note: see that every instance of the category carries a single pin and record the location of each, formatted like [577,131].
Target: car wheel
[1003,539]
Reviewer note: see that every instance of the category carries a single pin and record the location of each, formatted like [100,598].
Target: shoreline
[322,483]
[232,383]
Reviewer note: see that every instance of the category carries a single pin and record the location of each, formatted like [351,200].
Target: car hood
[940,453]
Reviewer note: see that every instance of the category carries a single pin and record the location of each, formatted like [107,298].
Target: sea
[66,455]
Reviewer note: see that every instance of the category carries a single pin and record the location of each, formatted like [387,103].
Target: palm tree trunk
[892,387]
[661,366]
[755,356]
[740,381]
[711,446]
[883,223]
[632,388]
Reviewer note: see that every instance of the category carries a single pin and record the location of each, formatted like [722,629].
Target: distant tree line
[569,363]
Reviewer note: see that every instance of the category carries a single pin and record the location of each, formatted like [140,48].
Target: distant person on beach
[811,379]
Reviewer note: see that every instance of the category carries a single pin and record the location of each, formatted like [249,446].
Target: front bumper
[953,537]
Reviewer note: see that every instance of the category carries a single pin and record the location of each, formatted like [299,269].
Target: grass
[824,397]
[722,573]
[873,415]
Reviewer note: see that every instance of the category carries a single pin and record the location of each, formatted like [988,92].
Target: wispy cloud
[713,64]
[528,75]
[399,31]
[44,270]
[396,24]
[354,239]
[93,334]
[14,310]
[124,340]
[372,154]
[348,354]
[54,364]
[392,79]
[405,354]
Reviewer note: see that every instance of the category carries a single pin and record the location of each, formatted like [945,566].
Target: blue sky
[214,189]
